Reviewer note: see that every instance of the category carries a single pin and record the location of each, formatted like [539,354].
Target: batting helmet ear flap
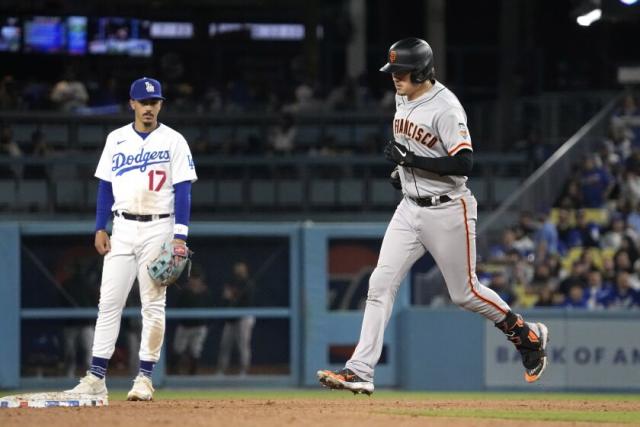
[423,75]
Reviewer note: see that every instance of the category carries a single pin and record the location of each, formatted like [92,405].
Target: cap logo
[392,56]
[149,87]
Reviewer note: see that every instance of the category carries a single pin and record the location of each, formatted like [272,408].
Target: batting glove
[394,179]
[399,154]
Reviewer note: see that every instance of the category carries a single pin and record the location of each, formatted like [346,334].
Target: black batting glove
[398,154]
[394,179]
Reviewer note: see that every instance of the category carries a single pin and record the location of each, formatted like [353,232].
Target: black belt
[141,218]
[426,202]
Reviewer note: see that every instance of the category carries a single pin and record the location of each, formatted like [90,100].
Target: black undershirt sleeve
[460,164]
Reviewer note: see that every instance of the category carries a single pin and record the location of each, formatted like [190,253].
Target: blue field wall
[322,327]
[441,349]
[9,305]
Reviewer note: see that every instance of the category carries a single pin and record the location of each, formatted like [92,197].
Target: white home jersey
[433,125]
[142,172]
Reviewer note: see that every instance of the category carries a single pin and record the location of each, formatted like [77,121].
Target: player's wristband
[180,230]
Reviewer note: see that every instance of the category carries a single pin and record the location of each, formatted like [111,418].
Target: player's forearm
[461,164]
[182,209]
[104,203]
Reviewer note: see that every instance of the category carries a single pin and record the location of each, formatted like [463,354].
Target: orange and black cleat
[345,379]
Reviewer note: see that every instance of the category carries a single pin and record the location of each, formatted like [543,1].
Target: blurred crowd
[585,252]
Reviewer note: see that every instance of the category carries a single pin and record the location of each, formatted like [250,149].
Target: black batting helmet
[412,55]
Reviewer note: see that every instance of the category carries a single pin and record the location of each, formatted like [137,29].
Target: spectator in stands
[35,95]
[633,218]
[596,184]
[500,285]
[595,288]
[69,93]
[576,298]
[545,297]
[622,295]
[9,147]
[571,197]
[547,234]
[628,117]
[584,233]
[282,136]
[191,334]
[237,96]
[500,252]
[618,145]
[612,237]
[78,278]
[630,185]
[305,101]
[9,98]
[41,150]
[576,277]
[237,331]
[622,261]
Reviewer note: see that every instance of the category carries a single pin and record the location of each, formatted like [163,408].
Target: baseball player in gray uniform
[433,152]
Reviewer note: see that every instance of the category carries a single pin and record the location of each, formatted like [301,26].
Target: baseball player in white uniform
[433,150]
[145,172]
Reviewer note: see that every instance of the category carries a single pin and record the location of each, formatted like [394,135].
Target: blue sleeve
[104,203]
[182,205]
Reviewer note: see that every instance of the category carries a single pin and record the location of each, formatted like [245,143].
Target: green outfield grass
[381,395]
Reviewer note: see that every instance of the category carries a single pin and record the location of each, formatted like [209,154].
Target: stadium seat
[290,193]
[32,194]
[7,193]
[263,193]
[307,136]
[203,193]
[504,187]
[230,192]
[91,135]
[350,192]
[69,194]
[382,194]
[56,134]
[478,187]
[322,192]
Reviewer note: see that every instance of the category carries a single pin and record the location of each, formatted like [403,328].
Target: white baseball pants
[448,232]
[134,245]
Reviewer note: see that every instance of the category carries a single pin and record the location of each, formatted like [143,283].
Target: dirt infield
[334,410]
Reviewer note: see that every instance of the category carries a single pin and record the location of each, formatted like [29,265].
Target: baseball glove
[167,267]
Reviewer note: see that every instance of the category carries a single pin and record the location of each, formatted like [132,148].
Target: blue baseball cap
[146,88]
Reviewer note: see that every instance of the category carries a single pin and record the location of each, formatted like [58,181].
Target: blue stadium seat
[382,194]
[290,193]
[92,135]
[32,194]
[7,193]
[230,192]
[263,193]
[322,192]
[351,192]
[203,193]
[70,193]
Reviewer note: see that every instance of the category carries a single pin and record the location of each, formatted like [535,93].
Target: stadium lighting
[589,17]
[629,2]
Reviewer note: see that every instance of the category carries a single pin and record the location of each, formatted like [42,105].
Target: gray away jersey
[433,125]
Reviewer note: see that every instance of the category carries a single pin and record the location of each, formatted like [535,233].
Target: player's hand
[394,179]
[102,242]
[399,154]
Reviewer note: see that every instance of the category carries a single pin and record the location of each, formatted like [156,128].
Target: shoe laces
[142,379]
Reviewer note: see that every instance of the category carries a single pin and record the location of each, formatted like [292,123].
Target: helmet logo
[392,56]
